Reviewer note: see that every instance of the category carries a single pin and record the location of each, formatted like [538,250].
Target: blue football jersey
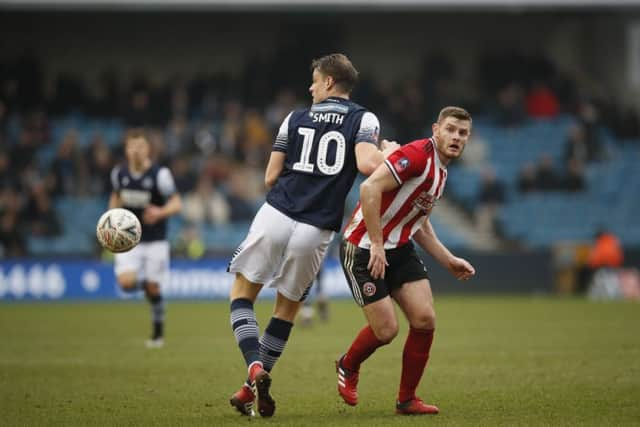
[320,164]
[137,191]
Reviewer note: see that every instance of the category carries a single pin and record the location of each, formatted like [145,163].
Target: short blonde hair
[340,68]
[457,112]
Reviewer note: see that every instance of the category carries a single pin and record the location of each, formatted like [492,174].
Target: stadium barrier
[51,280]
[64,279]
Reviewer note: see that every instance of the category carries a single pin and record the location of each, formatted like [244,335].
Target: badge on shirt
[402,164]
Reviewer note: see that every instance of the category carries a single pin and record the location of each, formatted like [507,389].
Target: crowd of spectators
[215,131]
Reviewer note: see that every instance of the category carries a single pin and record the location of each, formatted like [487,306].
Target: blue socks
[273,341]
[245,329]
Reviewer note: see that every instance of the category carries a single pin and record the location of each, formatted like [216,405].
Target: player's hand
[152,214]
[461,268]
[377,261]
[388,147]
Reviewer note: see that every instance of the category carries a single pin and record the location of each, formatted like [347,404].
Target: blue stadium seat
[540,219]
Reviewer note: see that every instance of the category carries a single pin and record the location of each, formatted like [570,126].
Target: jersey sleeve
[166,184]
[407,162]
[115,182]
[369,129]
[282,139]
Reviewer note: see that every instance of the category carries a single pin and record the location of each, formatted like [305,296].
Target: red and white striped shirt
[417,168]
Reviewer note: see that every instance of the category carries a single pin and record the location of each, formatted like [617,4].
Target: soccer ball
[118,230]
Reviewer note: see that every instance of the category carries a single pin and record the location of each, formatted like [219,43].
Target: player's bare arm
[369,157]
[153,213]
[370,197]
[426,237]
[274,168]
[387,147]
[114,200]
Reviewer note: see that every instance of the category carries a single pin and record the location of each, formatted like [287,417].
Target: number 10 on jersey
[304,164]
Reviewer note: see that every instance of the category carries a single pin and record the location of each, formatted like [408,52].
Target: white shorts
[281,253]
[149,259]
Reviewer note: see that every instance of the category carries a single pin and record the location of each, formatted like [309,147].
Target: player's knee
[424,320]
[242,288]
[386,333]
[287,311]
[126,282]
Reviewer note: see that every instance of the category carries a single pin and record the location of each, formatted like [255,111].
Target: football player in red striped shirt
[380,261]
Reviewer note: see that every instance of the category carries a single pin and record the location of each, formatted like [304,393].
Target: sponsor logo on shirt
[424,202]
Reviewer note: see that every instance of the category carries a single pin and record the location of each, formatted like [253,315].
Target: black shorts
[404,266]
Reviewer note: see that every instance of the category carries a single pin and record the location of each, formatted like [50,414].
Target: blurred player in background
[317,153]
[380,261]
[321,302]
[147,190]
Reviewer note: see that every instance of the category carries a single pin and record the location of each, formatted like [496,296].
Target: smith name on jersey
[137,191]
[320,164]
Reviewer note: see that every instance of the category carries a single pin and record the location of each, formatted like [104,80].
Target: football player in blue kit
[316,156]
[148,190]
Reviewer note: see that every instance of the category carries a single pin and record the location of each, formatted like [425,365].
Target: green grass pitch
[495,361]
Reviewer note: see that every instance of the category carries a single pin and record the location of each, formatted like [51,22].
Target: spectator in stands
[12,242]
[257,139]
[229,145]
[139,112]
[68,169]
[104,97]
[205,140]
[178,137]
[7,178]
[239,198]
[527,178]
[66,95]
[542,102]
[492,195]
[206,204]
[275,113]
[179,100]
[100,164]
[183,174]
[510,109]
[546,176]
[491,188]
[4,114]
[574,180]
[576,145]
[23,153]
[605,253]
[590,120]
[38,212]
[190,244]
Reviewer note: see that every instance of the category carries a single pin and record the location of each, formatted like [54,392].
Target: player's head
[452,131]
[333,75]
[137,147]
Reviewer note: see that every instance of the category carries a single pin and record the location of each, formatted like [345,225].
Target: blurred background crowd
[552,157]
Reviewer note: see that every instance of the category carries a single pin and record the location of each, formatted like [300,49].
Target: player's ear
[434,128]
[329,83]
